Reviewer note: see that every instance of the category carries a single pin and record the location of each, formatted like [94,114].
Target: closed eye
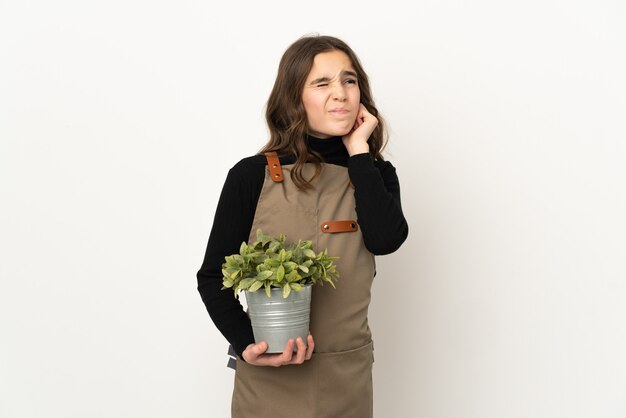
[347,81]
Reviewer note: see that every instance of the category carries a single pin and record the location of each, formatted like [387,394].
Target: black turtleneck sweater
[378,208]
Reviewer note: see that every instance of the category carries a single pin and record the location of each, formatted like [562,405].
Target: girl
[320,177]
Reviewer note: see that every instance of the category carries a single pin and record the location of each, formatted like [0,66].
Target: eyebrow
[343,73]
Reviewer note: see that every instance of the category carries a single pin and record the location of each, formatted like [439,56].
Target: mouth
[340,111]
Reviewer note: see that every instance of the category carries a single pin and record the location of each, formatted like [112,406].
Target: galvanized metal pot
[276,319]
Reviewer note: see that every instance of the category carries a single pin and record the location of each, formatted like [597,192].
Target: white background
[119,121]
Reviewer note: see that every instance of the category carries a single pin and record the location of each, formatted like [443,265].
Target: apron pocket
[330,385]
[344,383]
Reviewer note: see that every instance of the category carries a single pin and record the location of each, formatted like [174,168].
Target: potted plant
[287,273]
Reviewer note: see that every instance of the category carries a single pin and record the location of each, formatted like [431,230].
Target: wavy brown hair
[286,116]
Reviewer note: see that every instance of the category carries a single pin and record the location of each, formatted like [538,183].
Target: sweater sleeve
[231,226]
[378,206]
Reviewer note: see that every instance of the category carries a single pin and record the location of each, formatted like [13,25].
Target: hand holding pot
[253,354]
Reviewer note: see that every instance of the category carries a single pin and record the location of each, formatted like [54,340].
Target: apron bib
[337,380]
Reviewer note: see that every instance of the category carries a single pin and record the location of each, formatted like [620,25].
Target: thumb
[254,350]
[260,348]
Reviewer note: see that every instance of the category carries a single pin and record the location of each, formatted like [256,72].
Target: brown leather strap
[350,184]
[273,163]
[339,226]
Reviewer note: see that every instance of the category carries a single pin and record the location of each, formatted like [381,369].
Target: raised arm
[378,206]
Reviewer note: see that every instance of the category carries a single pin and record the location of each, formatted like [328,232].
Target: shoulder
[246,176]
[249,166]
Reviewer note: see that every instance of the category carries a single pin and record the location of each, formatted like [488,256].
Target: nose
[339,92]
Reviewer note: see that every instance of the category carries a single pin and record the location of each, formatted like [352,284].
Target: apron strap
[273,163]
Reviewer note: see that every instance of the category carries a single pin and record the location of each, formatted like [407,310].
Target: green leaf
[309,253]
[268,289]
[293,276]
[271,262]
[290,265]
[286,290]
[296,286]
[245,283]
[264,275]
[243,248]
[255,286]
[280,273]
[274,246]
[303,268]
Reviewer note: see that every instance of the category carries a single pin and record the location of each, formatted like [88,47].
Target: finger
[269,360]
[357,122]
[252,351]
[301,352]
[365,114]
[288,353]
[260,348]
[309,349]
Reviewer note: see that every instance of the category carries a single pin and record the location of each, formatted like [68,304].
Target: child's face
[332,83]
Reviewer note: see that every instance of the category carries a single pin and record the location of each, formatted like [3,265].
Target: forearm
[225,311]
[378,205]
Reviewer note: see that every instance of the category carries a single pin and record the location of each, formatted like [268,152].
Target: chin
[340,131]
[334,131]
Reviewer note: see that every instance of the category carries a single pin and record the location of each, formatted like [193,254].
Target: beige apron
[337,381]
